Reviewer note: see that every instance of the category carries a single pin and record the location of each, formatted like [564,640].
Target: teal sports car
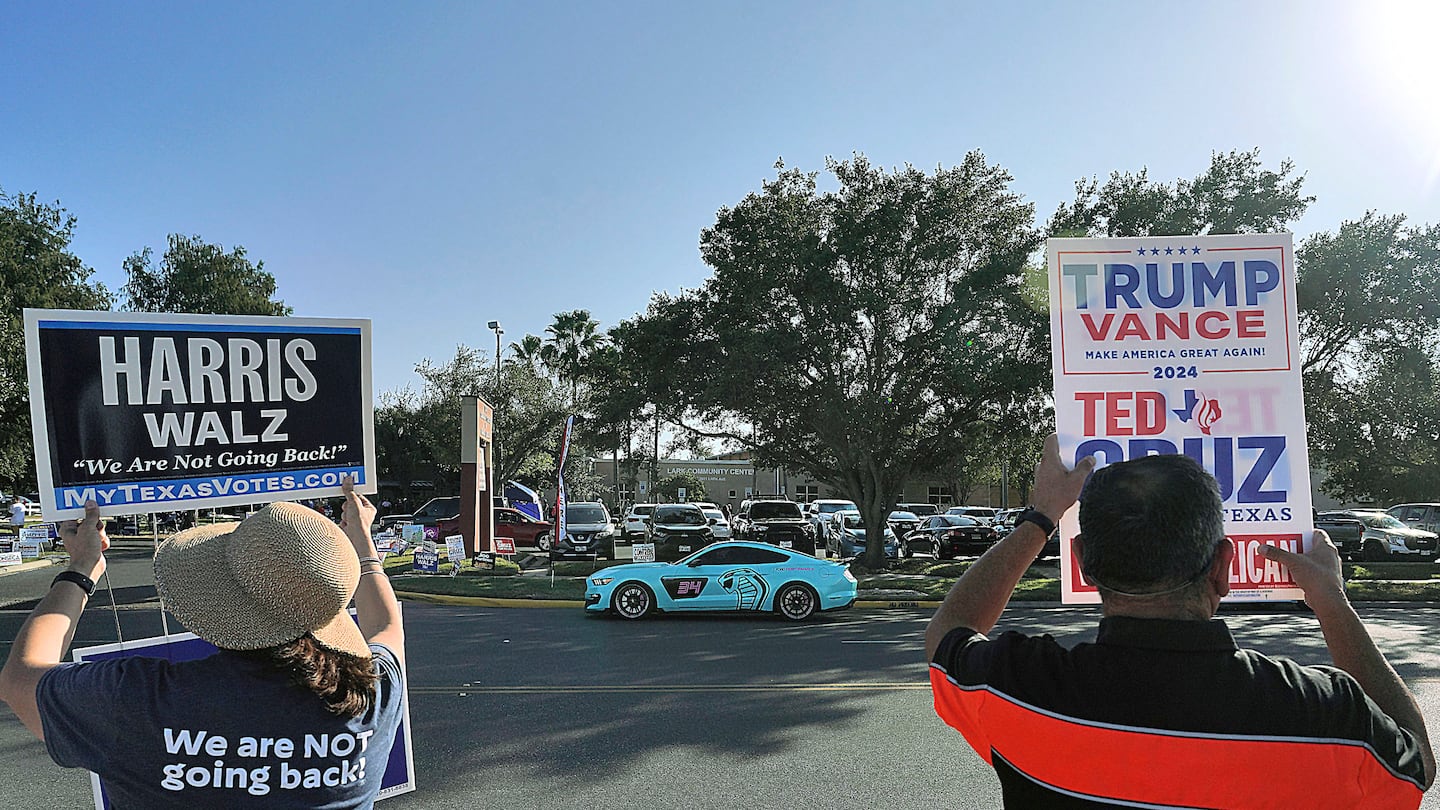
[729,576]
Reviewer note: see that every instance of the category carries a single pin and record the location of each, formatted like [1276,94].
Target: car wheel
[632,601]
[1372,551]
[542,541]
[796,602]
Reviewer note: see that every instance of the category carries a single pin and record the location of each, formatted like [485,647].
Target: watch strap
[86,583]
[1040,519]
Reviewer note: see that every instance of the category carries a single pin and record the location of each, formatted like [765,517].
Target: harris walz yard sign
[155,412]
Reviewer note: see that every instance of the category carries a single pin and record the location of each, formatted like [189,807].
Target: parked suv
[920,510]
[634,527]
[1377,537]
[1424,516]
[818,513]
[588,532]
[779,523]
[677,530]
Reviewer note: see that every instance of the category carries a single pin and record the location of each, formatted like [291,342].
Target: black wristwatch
[86,583]
[1037,517]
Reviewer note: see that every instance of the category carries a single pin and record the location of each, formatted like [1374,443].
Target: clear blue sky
[432,166]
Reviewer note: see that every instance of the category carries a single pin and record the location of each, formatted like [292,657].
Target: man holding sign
[298,709]
[1164,710]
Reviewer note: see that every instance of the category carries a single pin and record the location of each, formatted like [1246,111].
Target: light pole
[495,396]
[495,325]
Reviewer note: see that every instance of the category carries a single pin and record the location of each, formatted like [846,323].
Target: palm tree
[573,337]
[530,351]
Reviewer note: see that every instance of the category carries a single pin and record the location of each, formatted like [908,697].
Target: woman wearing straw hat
[298,709]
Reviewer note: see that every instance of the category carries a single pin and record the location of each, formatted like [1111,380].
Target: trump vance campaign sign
[150,412]
[1187,344]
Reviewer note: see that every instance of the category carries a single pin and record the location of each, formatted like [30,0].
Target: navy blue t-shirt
[223,731]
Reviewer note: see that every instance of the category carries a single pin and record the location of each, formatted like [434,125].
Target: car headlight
[602,581]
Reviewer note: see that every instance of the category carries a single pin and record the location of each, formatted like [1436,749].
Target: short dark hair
[345,682]
[1149,523]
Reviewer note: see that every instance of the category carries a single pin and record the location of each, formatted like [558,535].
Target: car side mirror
[714,521]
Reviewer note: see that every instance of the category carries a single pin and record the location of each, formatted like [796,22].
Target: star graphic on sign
[1141,251]
[1154,251]
[1182,251]
[1169,251]
[1196,251]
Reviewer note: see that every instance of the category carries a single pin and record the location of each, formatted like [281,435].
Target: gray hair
[1150,523]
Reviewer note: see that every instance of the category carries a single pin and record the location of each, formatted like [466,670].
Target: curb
[490,601]
[487,601]
[44,562]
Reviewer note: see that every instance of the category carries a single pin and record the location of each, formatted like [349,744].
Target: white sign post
[1187,344]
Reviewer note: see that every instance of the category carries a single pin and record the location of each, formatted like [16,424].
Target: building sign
[1187,345]
[146,412]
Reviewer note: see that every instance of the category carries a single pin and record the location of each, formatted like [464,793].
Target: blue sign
[399,769]
[427,561]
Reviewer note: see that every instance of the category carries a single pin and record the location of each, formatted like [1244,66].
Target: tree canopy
[855,334]
[196,276]
[37,270]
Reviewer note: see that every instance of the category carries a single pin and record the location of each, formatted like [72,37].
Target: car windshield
[716,514]
[1382,522]
[585,513]
[642,509]
[770,510]
[679,516]
[903,516]
[853,520]
[961,520]
[829,508]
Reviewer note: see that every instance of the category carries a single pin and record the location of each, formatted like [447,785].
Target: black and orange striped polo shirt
[1166,713]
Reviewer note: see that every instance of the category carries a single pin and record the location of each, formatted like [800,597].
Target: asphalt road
[525,708]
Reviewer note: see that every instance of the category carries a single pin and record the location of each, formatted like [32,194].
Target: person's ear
[1077,546]
[1219,574]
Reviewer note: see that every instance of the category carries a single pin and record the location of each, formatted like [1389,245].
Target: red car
[523,529]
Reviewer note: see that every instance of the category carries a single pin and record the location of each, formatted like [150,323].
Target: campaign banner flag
[399,768]
[561,531]
[146,412]
[1187,344]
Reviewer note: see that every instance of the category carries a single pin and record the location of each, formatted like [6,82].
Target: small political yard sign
[427,558]
[10,552]
[484,559]
[32,539]
[413,533]
[504,545]
[642,552]
[399,768]
[455,548]
[1187,345]
[146,412]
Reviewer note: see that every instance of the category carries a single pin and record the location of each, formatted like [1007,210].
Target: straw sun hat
[281,573]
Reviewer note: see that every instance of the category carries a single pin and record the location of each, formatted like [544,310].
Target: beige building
[729,480]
